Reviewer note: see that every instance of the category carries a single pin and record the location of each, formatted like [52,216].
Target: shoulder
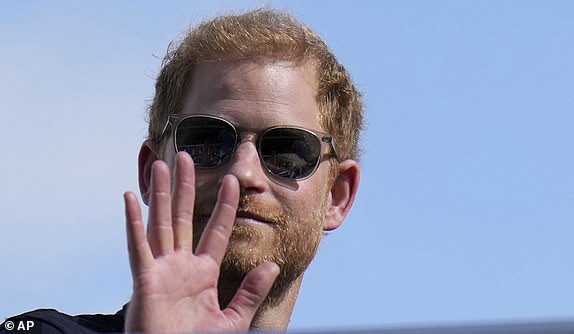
[48,321]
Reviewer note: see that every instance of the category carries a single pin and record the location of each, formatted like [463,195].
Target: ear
[342,194]
[146,157]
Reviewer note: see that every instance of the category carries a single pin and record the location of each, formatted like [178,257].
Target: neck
[270,316]
[278,316]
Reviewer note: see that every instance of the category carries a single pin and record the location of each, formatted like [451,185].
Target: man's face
[278,220]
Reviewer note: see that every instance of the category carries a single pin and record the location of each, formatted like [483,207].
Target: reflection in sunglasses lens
[210,142]
[290,153]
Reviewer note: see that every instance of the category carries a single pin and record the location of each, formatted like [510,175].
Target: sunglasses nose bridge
[245,164]
[244,151]
[247,136]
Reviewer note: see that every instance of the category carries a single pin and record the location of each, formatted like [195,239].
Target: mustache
[251,206]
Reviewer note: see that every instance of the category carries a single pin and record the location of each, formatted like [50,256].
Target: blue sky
[465,213]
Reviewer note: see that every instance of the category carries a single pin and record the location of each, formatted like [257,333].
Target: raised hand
[175,288]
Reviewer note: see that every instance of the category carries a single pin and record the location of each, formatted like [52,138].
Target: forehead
[255,94]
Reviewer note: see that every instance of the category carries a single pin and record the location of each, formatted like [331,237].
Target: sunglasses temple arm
[171,119]
[331,141]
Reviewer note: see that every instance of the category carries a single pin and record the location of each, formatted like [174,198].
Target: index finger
[216,234]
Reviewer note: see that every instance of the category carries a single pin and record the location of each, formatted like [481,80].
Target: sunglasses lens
[209,141]
[290,153]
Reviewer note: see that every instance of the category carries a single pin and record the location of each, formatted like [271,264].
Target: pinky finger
[139,251]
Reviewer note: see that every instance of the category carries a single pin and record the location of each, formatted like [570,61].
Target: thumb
[251,294]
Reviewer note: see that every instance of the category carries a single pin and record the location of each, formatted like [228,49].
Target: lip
[246,217]
[249,217]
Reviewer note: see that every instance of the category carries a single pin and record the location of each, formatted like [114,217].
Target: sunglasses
[288,152]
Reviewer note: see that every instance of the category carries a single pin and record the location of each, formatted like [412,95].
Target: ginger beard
[289,240]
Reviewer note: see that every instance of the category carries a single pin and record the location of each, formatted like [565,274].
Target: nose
[246,166]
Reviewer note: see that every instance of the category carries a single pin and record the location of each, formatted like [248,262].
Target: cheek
[206,186]
[307,201]
[168,156]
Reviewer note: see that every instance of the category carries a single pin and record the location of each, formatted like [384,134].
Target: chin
[249,247]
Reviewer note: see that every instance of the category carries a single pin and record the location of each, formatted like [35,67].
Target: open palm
[175,288]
